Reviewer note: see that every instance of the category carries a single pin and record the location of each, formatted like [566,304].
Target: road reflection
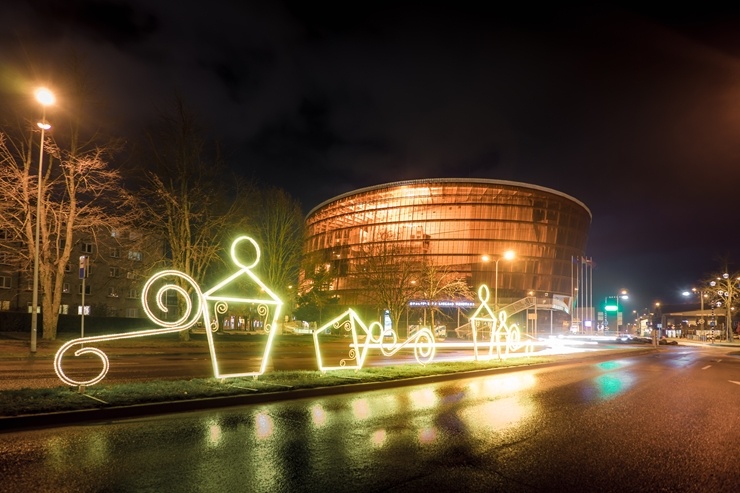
[516,431]
[614,379]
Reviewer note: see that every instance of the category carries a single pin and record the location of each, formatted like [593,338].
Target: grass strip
[37,401]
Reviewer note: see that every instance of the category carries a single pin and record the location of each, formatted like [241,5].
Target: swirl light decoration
[195,305]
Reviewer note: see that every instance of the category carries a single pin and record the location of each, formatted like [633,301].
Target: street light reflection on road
[361,408]
[318,415]
[378,437]
[214,433]
[264,425]
[423,399]
[499,414]
[498,386]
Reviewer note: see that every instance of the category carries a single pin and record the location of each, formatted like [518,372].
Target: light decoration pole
[726,289]
[45,97]
[507,255]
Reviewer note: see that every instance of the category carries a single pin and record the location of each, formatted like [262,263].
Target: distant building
[454,223]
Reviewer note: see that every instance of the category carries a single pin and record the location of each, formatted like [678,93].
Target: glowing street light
[508,255]
[45,97]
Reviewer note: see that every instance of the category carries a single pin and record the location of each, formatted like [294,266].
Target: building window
[5,305]
[63,309]
[87,247]
[115,252]
[87,310]
[114,272]
[132,312]
[133,293]
[87,289]
[65,287]
[112,292]
[68,268]
[134,256]
[5,282]
[4,259]
[130,275]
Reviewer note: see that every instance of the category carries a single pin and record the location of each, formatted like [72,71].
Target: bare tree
[82,197]
[190,195]
[279,229]
[439,283]
[315,290]
[388,278]
[724,294]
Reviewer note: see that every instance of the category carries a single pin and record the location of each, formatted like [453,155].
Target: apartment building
[119,263]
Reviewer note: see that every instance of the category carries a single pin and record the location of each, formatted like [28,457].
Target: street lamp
[508,255]
[45,97]
[622,294]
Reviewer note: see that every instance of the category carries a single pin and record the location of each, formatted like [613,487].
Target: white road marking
[708,366]
[732,381]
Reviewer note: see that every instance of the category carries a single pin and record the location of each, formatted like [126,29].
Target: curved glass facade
[453,223]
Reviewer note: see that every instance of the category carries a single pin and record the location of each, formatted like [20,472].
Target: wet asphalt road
[663,421]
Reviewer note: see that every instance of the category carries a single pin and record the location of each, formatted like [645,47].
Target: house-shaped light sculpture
[374,336]
[347,324]
[220,296]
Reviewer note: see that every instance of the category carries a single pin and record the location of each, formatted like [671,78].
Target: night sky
[633,111]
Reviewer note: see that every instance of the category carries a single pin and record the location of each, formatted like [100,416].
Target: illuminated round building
[451,223]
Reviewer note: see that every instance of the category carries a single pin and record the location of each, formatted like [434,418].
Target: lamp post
[659,325]
[701,294]
[45,97]
[508,255]
[622,294]
[607,308]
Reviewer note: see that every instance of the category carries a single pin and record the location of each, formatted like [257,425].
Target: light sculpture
[505,338]
[422,342]
[483,317]
[195,305]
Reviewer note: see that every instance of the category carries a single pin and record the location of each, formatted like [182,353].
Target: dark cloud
[634,111]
